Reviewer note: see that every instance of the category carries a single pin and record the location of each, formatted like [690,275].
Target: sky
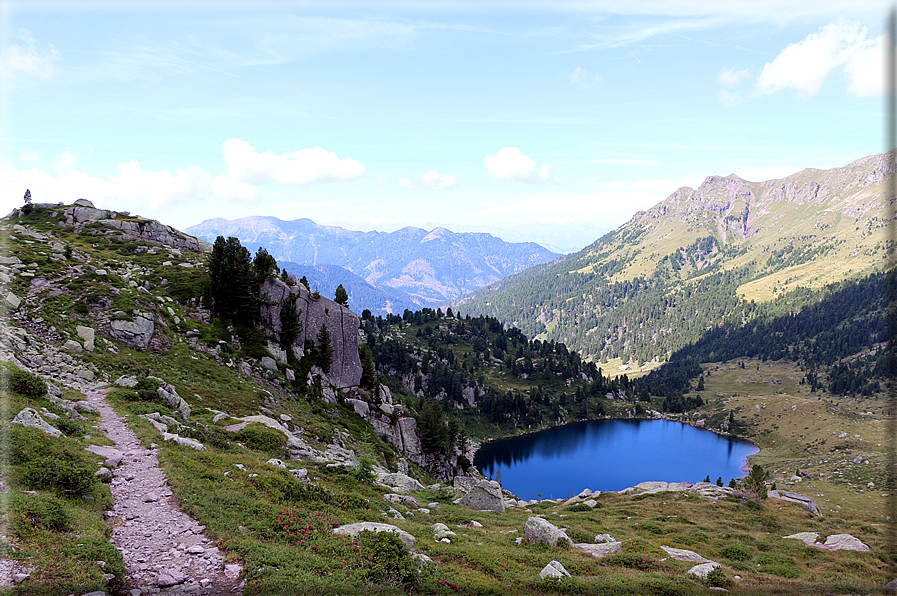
[546,121]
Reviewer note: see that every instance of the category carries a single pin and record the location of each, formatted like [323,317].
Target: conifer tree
[325,348]
[341,296]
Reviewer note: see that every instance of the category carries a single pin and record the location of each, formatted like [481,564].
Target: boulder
[554,571]
[136,333]
[441,531]
[170,398]
[361,407]
[186,442]
[843,542]
[268,363]
[87,334]
[600,550]
[112,455]
[104,474]
[400,482]
[540,531]
[406,500]
[276,462]
[700,571]
[355,529]
[12,301]
[126,381]
[603,538]
[29,417]
[804,501]
[485,495]
[680,554]
[170,577]
[72,346]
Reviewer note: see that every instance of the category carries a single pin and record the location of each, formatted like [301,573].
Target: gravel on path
[163,548]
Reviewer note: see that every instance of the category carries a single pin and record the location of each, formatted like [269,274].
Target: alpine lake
[610,455]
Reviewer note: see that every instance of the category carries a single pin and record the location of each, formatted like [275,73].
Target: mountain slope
[700,258]
[430,267]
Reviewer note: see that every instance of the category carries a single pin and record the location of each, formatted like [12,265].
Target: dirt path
[163,548]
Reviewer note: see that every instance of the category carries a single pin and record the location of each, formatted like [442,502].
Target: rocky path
[163,548]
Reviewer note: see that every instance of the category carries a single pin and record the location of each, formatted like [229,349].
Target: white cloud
[764,174]
[28,156]
[304,167]
[510,164]
[66,161]
[431,180]
[730,76]
[728,98]
[805,65]
[26,59]
[581,78]
[133,188]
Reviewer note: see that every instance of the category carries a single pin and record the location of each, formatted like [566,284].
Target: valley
[289,416]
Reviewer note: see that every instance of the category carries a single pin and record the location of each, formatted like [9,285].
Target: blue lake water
[610,455]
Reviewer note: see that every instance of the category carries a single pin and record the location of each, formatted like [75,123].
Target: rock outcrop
[315,312]
[136,333]
[30,418]
[833,542]
[804,501]
[83,212]
[355,529]
[481,495]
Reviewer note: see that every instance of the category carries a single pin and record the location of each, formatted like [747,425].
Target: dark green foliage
[324,348]
[261,438]
[389,562]
[341,296]
[304,282]
[432,428]
[631,560]
[718,578]
[233,286]
[578,508]
[40,511]
[755,482]
[264,265]
[290,324]
[24,383]
[737,552]
[59,474]
[70,427]
[368,369]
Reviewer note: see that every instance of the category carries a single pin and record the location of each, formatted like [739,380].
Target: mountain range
[409,266]
[700,258]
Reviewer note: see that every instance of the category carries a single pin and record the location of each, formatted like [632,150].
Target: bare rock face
[314,312]
[806,502]
[485,495]
[30,417]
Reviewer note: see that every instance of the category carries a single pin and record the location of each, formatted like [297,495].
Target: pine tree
[325,348]
[290,323]
[232,286]
[341,296]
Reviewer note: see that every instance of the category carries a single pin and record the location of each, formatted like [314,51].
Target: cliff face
[342,323]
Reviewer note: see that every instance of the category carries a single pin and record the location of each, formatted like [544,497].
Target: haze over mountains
[700,258]
[410,266]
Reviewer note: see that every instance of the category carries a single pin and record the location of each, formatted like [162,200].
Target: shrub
[737,552]
[364,473]
[388,561]
[56,473]
[717,578]
[630,560]
[70,427]
[261,438]
[578,507]
[40,511]
[25,383]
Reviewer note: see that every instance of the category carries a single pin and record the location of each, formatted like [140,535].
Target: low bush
[39,511]
[631,561]
[24,383]
[70,427]
[261,438]
[737,552]
[578,507]
[59,474]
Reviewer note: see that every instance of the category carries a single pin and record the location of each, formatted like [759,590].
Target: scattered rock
[600,550]
[72,346]
[486,495]
[806,502]
[30,418]
[406,500]
[441,531]
[701,571]
[554,571]
[400,482]
[276,462]
[104,474]
[268,363]
[680,554]
[540,531]
[170,577]
[602,538]
[87,334]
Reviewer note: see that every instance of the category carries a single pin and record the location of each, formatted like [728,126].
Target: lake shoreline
[745,469]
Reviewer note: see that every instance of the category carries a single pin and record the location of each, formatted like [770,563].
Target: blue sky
[544,121]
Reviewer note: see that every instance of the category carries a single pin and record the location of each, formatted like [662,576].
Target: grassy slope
[240,510]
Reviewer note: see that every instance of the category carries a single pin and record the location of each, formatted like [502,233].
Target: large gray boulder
[170,398]
[702,570]
[540,531]
[486,495]
[355,529]
[30,418]
[600,550]
[136,333]
[804,501]
[681,554]
[399,482]
[315,312]
[832,542]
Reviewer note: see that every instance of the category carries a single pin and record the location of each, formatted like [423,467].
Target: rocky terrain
[213,461]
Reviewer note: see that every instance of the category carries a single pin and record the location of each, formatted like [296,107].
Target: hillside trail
[163,548]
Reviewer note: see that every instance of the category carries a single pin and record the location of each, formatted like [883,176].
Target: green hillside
[699,259]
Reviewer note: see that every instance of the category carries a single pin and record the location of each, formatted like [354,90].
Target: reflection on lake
[610,455]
